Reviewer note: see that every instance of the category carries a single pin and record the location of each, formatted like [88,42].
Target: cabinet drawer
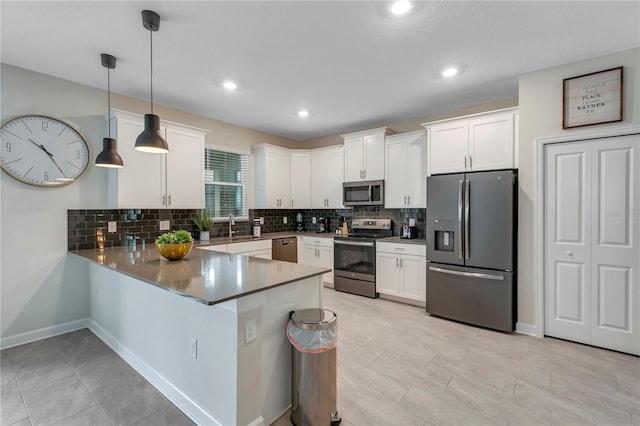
[318,241]
[400,248]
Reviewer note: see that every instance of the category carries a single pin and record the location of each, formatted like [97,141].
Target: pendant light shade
[109,156]
[150,140]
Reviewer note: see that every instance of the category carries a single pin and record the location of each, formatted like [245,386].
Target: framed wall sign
[593,98]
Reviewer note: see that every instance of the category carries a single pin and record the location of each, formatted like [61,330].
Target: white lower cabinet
[259,248]
[401,270]
[318,251]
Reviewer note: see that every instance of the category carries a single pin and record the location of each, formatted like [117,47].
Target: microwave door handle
[460,202]
[467,229]
[369,193]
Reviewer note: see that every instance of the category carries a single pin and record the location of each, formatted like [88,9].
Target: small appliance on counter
[323,224]
[409,232]
[299,225]
[256,228]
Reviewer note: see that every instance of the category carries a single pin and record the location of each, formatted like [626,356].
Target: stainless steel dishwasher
[285,249]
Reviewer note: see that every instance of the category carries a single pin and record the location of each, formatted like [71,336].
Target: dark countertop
[206,276]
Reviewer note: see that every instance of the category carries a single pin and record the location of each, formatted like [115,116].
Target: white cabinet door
[335,178]
[185,169]
[387,273]
[448,147]
[373,157]
[325,259]
[300,180]
[491,142]
[417,170]
[353,159]
[592,259]
[141,183]
[413,270]
[319,165]
[395,181]
[272,177]
[326,178]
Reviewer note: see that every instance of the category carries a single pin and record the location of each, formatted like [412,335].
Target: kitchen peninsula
[186,326]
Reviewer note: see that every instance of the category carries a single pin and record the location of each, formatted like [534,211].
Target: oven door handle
[354,243]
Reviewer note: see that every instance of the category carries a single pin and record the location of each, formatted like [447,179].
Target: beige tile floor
[396,366]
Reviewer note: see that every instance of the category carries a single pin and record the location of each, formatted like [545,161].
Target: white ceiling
[350,63]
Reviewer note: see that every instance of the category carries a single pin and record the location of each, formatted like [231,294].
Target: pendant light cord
[109,101]
[151,38]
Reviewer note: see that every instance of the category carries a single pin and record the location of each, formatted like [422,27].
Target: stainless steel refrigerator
[471,247]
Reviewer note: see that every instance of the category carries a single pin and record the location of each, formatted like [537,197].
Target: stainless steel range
[354,256]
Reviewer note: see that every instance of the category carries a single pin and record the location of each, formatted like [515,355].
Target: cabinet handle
[465,162]
[164,200]
[405,200]
[396,262]
[292,202]
[401,263]
[470,162]
[364,172]
[169,199]
[408,200]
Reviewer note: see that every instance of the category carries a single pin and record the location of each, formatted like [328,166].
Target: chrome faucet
[231,223]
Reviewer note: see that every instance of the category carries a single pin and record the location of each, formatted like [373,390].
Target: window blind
[225,179]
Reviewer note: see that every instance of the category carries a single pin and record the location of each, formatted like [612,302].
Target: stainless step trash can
[313,333]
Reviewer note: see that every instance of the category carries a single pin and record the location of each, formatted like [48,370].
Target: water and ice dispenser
[444,235]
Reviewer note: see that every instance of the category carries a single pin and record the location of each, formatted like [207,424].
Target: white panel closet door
[615,301]
[592,236]
[568,241]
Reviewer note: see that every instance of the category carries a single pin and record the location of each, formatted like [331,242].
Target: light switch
[250,330]
[165,225]
[112,226]
[412,222]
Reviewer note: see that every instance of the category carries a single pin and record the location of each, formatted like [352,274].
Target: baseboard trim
[403,300]
[528,329]
[257,422]
[189,407]
[43,333]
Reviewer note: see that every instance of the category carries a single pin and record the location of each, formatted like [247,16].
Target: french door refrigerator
[471,247]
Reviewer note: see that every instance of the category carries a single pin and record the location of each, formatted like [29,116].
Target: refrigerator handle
[467,206]
[460,202]
[467,274]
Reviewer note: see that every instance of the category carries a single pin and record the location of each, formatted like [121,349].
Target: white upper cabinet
[272,177]
[300,179]
[479,142]
[327,177]
[364,155]
[406,170]
[173,180]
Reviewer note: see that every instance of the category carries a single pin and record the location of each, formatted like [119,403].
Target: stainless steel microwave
[363,193]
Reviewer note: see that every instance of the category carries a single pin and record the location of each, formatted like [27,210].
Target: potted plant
[174,245]
[202,219]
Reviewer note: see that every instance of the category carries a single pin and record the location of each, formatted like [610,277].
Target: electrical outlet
[284,220]
[262,221]
[193,347]
[165,225]
[313,220]
[112,226]
[250,330]
[412,222]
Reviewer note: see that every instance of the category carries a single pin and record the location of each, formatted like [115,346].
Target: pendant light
[109,156]
[150,140]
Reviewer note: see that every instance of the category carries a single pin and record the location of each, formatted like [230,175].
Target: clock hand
[50,156]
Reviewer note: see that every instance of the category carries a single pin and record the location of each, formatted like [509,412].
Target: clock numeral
[46,176]
[8,146]
[45,126]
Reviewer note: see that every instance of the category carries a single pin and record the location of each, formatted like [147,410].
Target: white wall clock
[43,151]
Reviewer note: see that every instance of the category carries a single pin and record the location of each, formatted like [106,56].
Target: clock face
[43,151]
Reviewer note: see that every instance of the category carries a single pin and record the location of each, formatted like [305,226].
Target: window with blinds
[225,184]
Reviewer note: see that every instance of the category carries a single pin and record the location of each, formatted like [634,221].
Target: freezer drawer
[474,296]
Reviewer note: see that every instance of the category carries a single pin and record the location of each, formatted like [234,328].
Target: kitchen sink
[244,238]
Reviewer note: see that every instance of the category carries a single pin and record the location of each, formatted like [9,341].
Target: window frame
[244,186]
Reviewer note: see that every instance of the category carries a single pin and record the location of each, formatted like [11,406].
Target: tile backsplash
[88,229]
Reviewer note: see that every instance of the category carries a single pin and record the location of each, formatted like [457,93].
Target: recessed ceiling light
[303,113]
[230,85]
[450,72]
[401,7]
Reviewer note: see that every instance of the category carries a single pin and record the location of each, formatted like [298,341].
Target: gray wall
[540,95]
